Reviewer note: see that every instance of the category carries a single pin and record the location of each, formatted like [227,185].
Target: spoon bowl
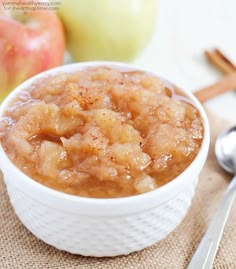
[225,150]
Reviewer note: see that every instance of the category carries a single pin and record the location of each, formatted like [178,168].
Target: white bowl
[101,227]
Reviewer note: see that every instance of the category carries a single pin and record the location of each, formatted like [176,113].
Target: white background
[184,29]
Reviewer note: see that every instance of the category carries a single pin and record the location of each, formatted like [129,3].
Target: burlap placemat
[20,249]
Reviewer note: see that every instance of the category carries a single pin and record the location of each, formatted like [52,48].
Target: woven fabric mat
[20,249]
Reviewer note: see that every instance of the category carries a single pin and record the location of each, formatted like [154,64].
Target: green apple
[107,29]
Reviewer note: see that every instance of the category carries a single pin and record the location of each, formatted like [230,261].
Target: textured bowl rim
[159,195]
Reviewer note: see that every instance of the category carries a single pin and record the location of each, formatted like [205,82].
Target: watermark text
[31,5]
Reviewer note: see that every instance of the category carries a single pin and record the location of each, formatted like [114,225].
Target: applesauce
[101,132]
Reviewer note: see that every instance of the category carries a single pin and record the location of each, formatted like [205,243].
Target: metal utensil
[225,150]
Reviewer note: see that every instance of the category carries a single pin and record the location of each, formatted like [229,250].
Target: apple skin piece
[115,30]
[30,42]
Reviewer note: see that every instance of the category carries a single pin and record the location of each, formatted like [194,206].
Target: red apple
[31,41]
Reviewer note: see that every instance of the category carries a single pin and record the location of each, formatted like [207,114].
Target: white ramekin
[101,227]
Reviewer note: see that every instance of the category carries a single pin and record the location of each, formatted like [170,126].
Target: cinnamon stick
[217,58]
[227,83]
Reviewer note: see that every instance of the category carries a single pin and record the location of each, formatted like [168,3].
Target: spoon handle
[207,249]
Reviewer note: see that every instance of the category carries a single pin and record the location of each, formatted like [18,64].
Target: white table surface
[184,29]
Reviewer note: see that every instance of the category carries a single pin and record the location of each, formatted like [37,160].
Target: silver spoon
[225,150]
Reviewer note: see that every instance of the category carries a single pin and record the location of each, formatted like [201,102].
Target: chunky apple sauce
[101,132]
